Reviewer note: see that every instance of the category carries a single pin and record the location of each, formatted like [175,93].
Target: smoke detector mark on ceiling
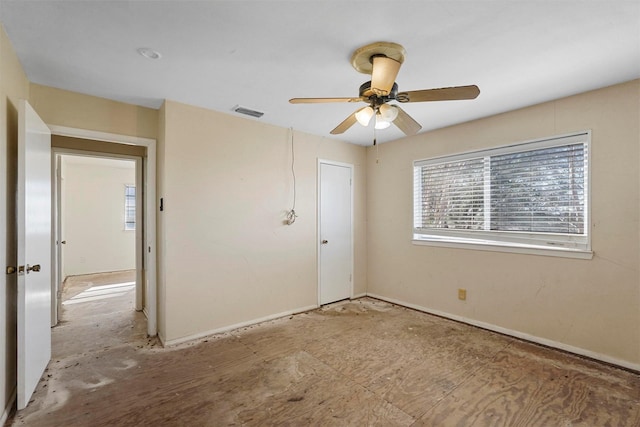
[247,111]
[149,53]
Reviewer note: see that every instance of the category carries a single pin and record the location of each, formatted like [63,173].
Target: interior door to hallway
[335,232]
[34,251]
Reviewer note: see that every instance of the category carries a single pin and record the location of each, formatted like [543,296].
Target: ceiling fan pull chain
[374,138]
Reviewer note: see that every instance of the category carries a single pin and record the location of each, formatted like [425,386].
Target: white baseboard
[8,407]
[235,326]
[522,335]
[362,295]
[163,341]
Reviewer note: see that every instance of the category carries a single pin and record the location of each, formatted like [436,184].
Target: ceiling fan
[382,60]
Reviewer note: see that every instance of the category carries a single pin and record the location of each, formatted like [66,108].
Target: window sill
[508,248]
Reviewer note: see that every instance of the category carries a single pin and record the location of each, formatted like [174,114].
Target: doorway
[83,142]
[335,231]
[99,232]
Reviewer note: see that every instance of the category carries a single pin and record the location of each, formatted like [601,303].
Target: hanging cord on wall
[291,215]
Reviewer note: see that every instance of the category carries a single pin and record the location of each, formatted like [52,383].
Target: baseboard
[163,341]
[8,407]
[236,326]
[517,334]
[362,295]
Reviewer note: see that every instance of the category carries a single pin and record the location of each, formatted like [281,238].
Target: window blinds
[535,192]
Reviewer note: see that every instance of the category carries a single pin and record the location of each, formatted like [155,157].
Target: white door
[335,232]
[34,250]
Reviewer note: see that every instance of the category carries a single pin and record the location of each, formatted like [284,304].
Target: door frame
[58,154]
[149,250]
[318,230]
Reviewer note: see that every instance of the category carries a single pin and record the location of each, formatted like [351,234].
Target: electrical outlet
[462,294]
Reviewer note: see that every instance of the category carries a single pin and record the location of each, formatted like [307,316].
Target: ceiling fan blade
[442,94]
[406,123]
[347,123]
[384,73]
[322,100]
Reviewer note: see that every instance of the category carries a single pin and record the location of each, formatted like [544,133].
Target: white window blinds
[531,194]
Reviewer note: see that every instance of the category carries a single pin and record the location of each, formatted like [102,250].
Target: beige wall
[71,109]
[13,86]
[93,218]
[591,305]
[227,185]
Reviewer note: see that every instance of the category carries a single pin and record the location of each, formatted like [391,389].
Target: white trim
[223,329]
[139,233]
[517,334]
[9,407]
[101,136]
[149,179]
[554,252]
[318,237]
[362,295]
[56,227]
[161,338]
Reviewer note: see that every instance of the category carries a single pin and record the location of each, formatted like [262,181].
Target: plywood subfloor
[358,363]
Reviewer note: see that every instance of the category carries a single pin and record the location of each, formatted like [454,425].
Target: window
[528,196]
[129,207]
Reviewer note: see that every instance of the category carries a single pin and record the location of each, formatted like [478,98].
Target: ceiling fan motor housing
[367,94]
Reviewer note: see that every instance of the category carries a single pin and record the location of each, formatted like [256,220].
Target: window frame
[127,223]
[538,243]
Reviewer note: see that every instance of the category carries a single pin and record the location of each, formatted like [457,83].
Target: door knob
[64,242]
[324,242]
[34,268]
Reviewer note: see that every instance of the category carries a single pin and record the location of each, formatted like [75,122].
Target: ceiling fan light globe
[381,123]
[364,116]
[388,112]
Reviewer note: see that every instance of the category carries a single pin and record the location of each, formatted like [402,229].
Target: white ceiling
[259,54]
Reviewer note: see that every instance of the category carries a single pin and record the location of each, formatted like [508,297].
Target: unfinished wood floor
[357,363]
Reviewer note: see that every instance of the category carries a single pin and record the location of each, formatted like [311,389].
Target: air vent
[247,111]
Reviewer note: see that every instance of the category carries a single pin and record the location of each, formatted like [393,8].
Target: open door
[34,250]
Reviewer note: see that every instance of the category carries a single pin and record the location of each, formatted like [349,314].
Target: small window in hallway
[130,207]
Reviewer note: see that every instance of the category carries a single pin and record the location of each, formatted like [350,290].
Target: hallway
[98,312]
